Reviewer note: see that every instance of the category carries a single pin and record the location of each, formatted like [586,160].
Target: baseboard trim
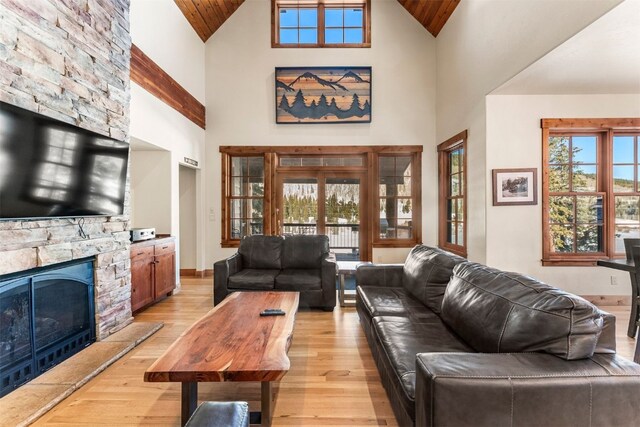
[610,300]
[192,272]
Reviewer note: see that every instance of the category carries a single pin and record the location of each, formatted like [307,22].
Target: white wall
[150,206]
[485,43]
[514,139]
[161,31]
[188,232]
[241,106]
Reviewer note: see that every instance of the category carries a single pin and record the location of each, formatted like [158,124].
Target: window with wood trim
[398,204]
[389,211]
[626,190]
[246,196]
[321,23]
[452,201]
[591,199]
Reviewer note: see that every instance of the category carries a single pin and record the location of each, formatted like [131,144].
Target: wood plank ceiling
[432,14]
[206,16]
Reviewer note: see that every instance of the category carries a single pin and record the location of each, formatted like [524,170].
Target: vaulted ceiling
[206,16]
[432,14]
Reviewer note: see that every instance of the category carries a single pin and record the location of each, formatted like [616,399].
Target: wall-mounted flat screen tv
[49,168]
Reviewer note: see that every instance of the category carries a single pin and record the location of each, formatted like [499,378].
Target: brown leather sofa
[281,263]
[462,344]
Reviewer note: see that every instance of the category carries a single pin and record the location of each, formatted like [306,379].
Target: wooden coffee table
[232,343]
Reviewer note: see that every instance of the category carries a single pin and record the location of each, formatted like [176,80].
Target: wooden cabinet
[153,271]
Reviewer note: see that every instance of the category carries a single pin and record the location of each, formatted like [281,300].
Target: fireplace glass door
[16,351]
[46,316]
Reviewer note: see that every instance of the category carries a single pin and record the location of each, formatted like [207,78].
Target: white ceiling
[604,58]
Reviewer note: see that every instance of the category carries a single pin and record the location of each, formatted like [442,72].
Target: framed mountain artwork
[323,95]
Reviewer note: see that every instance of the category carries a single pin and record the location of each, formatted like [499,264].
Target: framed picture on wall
[323,95]
[515,187]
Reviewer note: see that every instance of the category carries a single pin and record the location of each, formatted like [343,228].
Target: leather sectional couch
[280,263]
[462,344]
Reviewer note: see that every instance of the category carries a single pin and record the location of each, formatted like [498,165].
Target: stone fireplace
[69,59]
[46,316]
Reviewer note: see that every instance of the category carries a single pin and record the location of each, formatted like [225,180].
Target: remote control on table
[272,312]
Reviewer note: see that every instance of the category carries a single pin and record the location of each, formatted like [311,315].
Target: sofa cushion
[499,312]
[261,252]
[383,301]
[301,252]
[253,279]
[401,339]
[298,280]
[426,273]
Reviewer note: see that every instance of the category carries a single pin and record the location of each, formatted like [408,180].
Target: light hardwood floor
[333,379]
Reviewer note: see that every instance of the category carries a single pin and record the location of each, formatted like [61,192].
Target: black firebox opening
[46,316]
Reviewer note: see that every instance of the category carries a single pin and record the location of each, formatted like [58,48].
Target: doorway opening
[188,221]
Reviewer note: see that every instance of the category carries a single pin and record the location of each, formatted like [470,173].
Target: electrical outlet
[614,281]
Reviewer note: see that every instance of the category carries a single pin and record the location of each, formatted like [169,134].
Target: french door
[325,202]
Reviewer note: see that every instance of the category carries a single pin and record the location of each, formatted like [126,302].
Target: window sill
[323,46]
[591,262]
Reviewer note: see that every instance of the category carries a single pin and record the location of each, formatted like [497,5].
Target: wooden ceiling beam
[151,77]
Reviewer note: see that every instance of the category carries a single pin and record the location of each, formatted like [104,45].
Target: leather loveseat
[292,263]
[462,344]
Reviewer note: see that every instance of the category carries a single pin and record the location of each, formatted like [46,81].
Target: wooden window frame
[606,129]
[227,241]
[416,198]
[321,5]
[370,168]
[444,150]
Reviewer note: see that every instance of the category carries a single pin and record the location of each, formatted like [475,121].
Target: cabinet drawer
[143,252]
[165,248]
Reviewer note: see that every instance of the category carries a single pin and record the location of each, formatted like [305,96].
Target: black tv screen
[49,168]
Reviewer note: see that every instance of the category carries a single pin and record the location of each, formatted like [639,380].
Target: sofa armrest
[481,389]
[222,270]
[607,339]
[328,273]
[385,275]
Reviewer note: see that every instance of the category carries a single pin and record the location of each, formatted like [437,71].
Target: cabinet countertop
[157,241]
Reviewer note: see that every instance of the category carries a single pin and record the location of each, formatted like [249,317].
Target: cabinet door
[141,282]
[165,274]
